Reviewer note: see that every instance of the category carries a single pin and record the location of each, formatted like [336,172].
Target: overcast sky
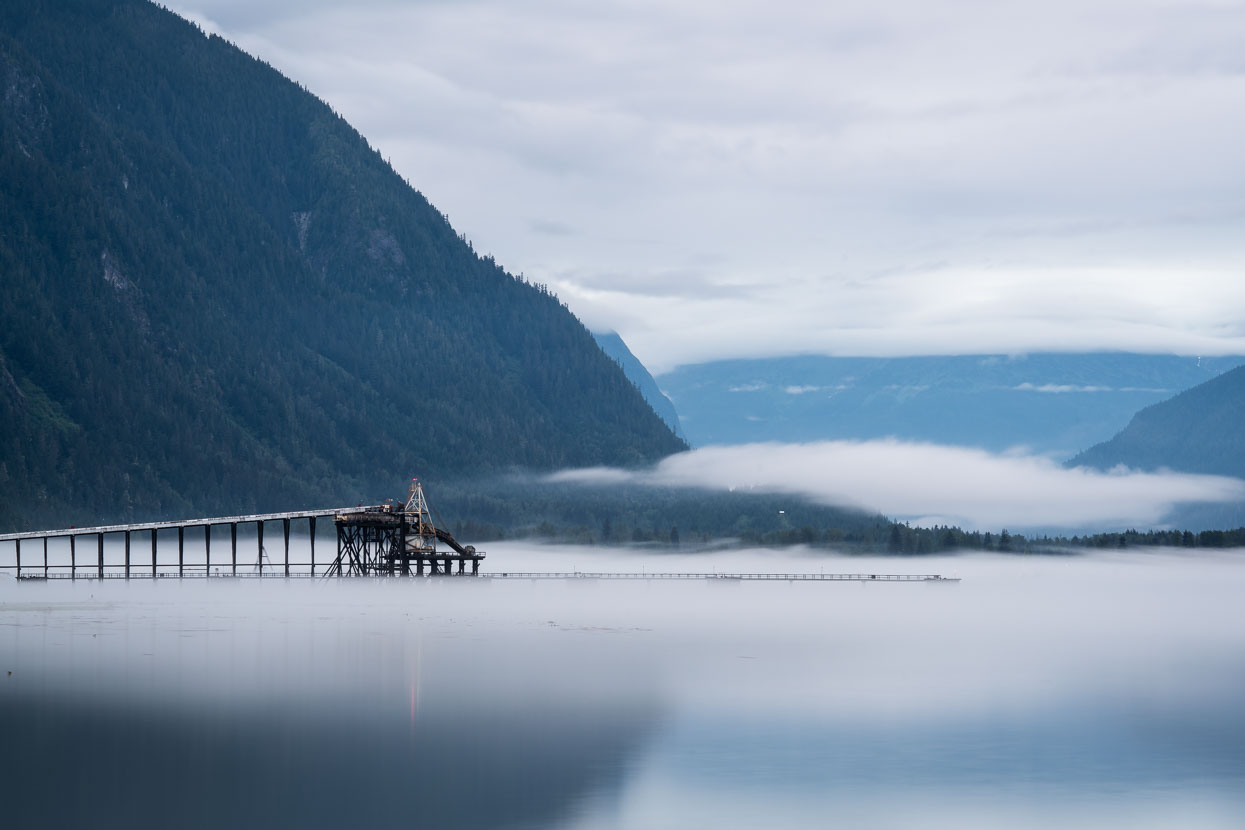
[737,178]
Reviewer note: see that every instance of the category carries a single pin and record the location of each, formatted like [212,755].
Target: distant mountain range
[217,297]
[1056,404]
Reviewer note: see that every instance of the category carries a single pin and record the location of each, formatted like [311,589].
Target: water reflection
[1102,691]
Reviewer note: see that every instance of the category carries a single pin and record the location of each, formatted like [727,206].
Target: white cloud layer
[933,484]
[748,178]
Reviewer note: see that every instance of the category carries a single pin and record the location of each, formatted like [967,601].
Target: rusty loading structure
[398,540]
[381,540]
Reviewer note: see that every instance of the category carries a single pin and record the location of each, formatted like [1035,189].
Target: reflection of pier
[371,541]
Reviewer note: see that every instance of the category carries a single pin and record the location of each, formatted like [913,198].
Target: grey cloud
[687,283]
[550,228]
[996,154]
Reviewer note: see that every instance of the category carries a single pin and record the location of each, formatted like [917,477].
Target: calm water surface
[1103,691]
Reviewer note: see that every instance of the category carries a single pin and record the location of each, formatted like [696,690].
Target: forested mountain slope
[614,346]
[216,297]
[1201,430]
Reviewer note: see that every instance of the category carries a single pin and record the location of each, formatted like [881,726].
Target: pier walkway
[67,561]
[200,572]
[371,541]
[148,526]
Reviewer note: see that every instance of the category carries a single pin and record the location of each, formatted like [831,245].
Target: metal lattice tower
[387,540]
[421,534]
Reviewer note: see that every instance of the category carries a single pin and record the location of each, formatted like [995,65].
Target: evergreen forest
[216,297]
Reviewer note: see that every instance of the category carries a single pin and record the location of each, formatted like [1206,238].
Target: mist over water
[1101,690]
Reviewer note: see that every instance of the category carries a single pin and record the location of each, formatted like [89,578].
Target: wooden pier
[391,539]
[89,559]
[381,540]
[370,543]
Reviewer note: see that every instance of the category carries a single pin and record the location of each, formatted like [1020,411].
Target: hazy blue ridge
[1055,404]
[636,372]
[218,298]
[1200,430]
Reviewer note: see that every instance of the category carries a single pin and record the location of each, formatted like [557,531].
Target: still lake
[1103,690]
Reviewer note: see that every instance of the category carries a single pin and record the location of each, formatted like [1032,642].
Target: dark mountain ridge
[1201,430]
[216,297]
[614,346]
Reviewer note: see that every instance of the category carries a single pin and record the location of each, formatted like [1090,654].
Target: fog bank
[934,484]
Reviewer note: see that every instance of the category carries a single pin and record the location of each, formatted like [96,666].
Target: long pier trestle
[381,540]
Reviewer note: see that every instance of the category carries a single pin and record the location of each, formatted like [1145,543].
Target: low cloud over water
[934,484]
